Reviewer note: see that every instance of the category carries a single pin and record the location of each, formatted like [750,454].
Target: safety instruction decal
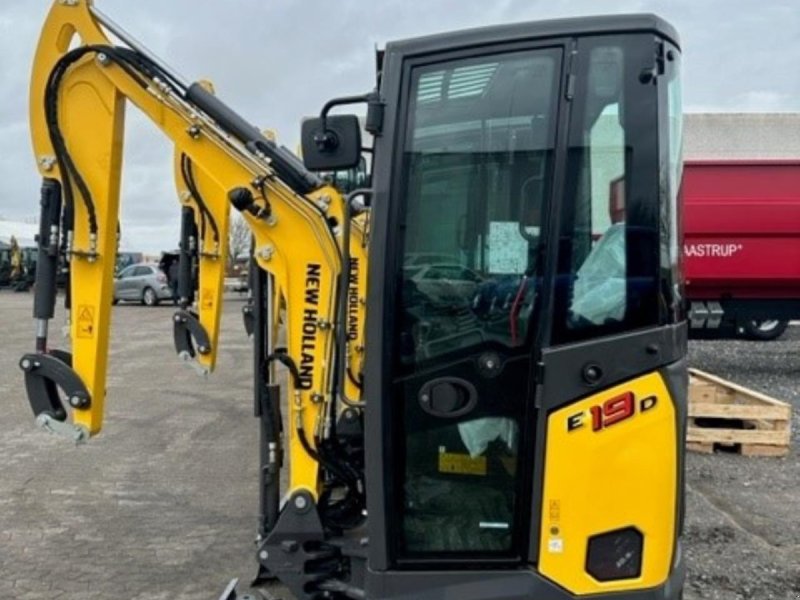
[462,464]
[207,299]
[85,321]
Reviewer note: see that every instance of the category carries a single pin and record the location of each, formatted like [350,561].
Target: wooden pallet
[728,417]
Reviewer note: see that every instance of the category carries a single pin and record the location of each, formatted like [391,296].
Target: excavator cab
[525,376]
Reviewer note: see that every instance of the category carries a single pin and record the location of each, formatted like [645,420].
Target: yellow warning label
[463,464]
[207,299]
[555,511]
[85,321]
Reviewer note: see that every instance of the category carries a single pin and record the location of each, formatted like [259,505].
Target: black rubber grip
[44,298]
[286,165]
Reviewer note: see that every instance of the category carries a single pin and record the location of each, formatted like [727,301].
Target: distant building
[755,136]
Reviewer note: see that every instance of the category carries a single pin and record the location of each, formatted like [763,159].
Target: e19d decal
[612,411]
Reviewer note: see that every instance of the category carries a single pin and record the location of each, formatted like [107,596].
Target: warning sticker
[85,321]
[207,299]
[463,464]
[555,510]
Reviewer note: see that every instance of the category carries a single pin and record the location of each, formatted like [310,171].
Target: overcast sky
[276,61]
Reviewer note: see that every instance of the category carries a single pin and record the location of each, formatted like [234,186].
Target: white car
[144,283]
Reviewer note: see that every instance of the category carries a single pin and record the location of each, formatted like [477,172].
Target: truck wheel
[765,330]
[149,297]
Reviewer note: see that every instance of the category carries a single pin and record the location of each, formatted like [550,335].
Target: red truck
[742,246]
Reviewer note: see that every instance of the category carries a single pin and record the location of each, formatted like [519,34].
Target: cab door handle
[448,397]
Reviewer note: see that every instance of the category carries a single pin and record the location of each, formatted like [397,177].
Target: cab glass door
[476,177]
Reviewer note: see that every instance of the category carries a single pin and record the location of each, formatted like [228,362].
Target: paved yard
[162,506]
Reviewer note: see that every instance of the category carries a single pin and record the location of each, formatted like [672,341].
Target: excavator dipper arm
[203,251]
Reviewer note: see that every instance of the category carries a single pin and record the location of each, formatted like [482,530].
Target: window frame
[641,160]
[393,491]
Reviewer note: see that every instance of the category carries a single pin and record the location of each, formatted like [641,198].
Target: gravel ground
[162,505]
[743,514]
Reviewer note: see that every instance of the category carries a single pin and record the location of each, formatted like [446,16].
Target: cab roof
[532,30]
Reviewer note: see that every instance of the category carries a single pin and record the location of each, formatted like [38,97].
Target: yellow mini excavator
[485,344]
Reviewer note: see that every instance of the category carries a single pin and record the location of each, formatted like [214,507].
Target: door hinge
[538,372]
[660,58]
[651,72]
[569,92]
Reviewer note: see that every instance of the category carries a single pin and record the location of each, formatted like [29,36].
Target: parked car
[142,282]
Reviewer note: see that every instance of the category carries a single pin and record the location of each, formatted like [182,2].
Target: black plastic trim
[555,28]
[490,584]
[620,357]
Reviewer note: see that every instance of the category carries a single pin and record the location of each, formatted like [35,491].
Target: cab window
[607,280]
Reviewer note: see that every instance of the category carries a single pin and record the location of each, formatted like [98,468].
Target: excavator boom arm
[77,105]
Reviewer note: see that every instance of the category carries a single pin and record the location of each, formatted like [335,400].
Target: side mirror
[332,143]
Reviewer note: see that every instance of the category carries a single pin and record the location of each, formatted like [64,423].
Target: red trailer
[742,245]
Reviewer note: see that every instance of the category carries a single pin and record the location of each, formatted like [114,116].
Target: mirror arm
[326,140]
[362,98]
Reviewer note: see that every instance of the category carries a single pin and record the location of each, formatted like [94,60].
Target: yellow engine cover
[611,463]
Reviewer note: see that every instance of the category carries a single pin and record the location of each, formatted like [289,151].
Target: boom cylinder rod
[135,44]
[44,300]
[267,399]
[282,161]
[188,250]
